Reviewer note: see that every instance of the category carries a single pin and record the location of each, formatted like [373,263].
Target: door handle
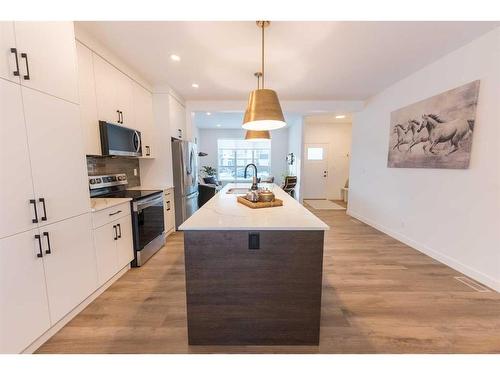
[120,230]
[147,151]
[15,72]
[40,253]
[42,201]
[116,233]
[33,202]
[25,57]
[168,205]
[49,250]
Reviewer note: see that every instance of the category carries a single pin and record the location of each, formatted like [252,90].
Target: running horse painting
[435,132]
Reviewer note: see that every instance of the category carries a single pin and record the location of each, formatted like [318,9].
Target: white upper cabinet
[143,107]
[177,118]
[47,58]
[24,312]
[88,102]
[114,93]
[9,69]
[57,159]
[70,264]
[16,186]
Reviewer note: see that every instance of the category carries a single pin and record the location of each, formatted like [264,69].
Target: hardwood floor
[379,296]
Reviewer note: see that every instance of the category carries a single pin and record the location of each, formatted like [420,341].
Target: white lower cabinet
[24,312]
[70,264]
[44,274]
[125,242]
[168,204]
[113,243]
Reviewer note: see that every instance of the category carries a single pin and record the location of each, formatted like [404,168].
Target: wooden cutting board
[276,203]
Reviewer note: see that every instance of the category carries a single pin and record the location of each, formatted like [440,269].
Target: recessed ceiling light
[218,125]
[208,113]
[195,85]
[340,116]
[175,57]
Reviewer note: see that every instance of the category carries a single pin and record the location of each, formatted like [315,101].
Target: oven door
[147,220]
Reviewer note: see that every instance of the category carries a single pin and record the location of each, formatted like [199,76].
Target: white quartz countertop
[223,212]
[150,187]
[98,204]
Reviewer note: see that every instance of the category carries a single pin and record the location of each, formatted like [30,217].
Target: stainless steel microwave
[119,140]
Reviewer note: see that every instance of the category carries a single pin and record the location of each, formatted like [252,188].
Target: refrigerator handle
[181,152]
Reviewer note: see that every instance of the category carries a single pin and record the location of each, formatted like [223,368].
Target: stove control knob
[98,180]
[92,181]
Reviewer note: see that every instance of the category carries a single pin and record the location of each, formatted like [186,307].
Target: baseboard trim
[78,309]
[445,259]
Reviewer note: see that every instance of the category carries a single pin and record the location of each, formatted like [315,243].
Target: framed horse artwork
[435,132]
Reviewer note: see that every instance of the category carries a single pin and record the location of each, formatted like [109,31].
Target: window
[235,154]
[315,153]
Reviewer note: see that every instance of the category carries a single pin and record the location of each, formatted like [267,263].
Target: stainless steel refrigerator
[185,166]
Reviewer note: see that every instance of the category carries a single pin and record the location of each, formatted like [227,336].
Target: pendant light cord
[262,62]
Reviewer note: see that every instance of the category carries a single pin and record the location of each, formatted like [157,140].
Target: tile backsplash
[98,165]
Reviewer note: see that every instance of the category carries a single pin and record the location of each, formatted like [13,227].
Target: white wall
[451,215]
[207,142]
[338,136]
[295,146]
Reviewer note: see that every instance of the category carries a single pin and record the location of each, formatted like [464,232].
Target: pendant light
[257,135]
[263,110]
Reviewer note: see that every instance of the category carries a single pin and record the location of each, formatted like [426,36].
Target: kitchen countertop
[98,204]
[148,187]
[223,212]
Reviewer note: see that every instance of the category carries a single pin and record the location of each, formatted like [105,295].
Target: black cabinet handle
[168,205]
[117,111]
[120,229]
[25,57]
[49,250]
[42,201]
[147,151]
[121,117]
[15,72]
[114,213]
[116,233]
[33,202]
[40,253]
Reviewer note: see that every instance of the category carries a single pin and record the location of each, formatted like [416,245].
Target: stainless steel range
[147,213]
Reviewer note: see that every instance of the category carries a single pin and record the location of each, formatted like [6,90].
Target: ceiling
[304,60]
[231,120]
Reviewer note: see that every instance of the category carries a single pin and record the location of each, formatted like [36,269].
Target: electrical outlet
[135,171]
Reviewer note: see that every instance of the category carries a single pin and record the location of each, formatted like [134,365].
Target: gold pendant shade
[263,111]
[257,135]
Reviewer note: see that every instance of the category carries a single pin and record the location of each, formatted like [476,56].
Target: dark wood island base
[253,287]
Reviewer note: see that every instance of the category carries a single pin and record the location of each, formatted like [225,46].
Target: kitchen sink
[238,191]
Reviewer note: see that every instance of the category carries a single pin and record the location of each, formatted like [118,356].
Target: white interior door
[315,180]
[50,57]
[57,158]
[24,311]
[8,66]
[16,185]
[70,264]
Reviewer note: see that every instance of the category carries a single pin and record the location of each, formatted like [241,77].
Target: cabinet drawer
[100,218]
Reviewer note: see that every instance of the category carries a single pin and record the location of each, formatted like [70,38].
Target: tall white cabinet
[107,94]
[48,260]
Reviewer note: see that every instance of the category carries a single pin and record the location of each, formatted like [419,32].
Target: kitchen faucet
[254,179]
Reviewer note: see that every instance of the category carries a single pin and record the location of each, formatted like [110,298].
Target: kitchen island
[253,276]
